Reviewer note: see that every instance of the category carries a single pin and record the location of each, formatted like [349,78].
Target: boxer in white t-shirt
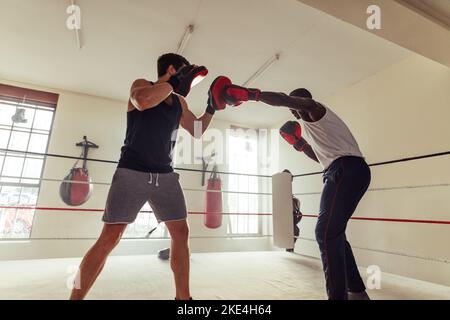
[346,179]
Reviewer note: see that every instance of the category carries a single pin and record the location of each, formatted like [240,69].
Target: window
[243,158]
[26,118]
[145,221]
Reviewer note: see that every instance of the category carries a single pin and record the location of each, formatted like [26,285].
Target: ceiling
[122,40]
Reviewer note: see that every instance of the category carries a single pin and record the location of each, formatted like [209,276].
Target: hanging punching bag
[76,188]
[213,212]
[75,194]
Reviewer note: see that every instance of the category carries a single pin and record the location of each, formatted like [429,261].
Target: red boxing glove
[291,131]
[186,78]
[234,95]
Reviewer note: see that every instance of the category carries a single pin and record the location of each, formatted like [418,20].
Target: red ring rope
[232,214]
[101,210]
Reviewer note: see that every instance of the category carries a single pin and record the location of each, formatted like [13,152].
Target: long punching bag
[213,212]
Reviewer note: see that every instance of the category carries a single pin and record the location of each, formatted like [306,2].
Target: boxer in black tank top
[151,136]
[145,173]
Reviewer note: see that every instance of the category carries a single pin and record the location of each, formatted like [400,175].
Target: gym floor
[221,276]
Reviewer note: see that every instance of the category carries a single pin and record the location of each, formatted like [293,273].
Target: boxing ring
[270,272]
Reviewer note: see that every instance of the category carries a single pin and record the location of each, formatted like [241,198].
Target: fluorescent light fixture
[184,41]
[77,31]
[262,69]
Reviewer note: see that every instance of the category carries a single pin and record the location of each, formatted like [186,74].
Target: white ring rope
[386,188]
[390,252]
[108,184]
[227,191]
[237,237]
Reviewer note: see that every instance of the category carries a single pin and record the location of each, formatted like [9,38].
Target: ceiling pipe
[185,40]
[262,69]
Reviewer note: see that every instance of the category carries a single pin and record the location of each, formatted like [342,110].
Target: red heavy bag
[213,212]
[75,194]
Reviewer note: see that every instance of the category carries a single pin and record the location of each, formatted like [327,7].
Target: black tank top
[150,138]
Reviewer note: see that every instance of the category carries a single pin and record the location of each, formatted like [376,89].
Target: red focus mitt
[291,131]
[216,100]
[186,78]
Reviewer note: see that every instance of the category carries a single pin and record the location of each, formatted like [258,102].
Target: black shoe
[289,250]
[358,296]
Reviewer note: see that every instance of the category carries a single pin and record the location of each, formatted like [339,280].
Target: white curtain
[243,158]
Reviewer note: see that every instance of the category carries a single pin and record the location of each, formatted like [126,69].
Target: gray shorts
[130,190]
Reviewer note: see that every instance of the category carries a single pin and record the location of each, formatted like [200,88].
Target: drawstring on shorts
[150,181]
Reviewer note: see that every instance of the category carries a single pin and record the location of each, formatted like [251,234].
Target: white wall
[104,123]
[399,112]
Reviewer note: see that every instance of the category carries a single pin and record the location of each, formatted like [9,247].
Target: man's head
[170,63]
[301,93]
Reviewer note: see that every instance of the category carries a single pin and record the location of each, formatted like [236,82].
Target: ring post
[283,220]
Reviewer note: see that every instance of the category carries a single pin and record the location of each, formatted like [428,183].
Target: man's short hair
[301,92]
[168,59]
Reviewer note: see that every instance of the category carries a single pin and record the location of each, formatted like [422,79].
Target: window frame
[40,100]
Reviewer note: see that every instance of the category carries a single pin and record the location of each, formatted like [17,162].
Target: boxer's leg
[346,181]
[94,260]
[179,257]
[126,196]
[330,233]
[169,205]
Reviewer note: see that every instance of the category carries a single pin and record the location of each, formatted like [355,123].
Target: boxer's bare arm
[144,95]
[309,109]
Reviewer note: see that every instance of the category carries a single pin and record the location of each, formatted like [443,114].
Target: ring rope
[443,222]
[232,192]
[102,210]
[432,155]
[53,155]
[235,192]
[386,188]
[229,237]
[134,238]
[390,252]
[57,180]
[389,220]
[108,184]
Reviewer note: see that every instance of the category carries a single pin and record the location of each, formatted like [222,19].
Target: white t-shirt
[330,138]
